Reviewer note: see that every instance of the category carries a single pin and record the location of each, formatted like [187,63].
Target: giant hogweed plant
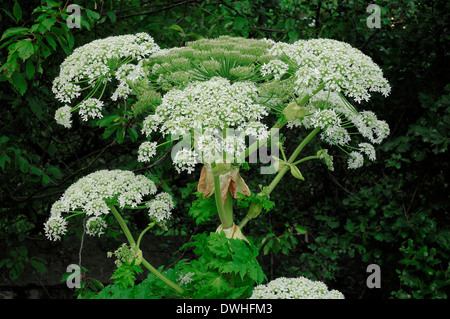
[213,102]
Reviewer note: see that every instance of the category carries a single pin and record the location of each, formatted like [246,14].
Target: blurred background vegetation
[393,212]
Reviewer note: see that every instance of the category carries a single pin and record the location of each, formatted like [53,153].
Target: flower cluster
[95,226]
[124,255]
[276,67]
[63,116]
[146,151]
[295,288]
[336,118]
[334,64]
[91,108]
[93,65]
[93,194]
[207,108]
[159,209]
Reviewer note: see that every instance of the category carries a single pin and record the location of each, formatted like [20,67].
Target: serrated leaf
[14,31]
[48,23]
[25,49]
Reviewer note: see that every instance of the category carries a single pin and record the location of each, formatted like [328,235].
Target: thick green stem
[122,224]
[152,269]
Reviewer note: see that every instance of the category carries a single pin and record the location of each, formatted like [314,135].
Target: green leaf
[133,134]
[23,164]
[111,16]
[50,41]
[239,23]
[17,11]
[300,230]
[4,139]
[4,158]
[176,28]
[25,49]
[29,67]
[48,23]
[39,266]
[104,121]
[36,171]
[46,179]
[14,31]
[19,82]
[92,15]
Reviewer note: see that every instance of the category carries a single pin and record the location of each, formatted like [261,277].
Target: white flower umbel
[356,160]
[338,119]
[295,288]
[93,193]
[276,67]
[91,108]
[336,65]
[369,150]
[206,108]
[160,208]
[63,116]
[127,72]
[213,104]
[146,151]
[90,67]
[55,227]
[185,160]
